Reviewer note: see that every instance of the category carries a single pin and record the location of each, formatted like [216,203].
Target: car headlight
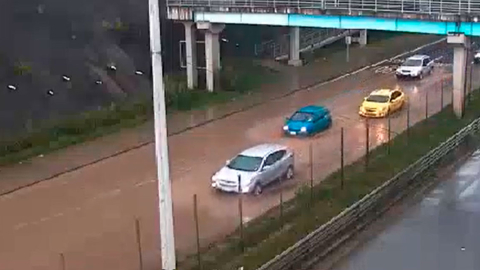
[303,129]
[285,127]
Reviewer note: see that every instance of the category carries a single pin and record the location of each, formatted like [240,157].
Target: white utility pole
[161,145]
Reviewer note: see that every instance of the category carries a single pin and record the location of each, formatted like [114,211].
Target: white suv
[416,66]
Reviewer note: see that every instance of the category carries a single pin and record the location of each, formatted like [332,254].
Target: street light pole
[161,147]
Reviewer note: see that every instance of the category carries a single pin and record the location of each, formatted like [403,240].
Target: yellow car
[382,102]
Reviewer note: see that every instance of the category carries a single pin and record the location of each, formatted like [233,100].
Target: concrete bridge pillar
[294,57]
[191,54]
[362,39]
[212,53]
[461,44]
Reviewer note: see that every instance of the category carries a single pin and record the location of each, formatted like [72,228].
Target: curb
[308,88]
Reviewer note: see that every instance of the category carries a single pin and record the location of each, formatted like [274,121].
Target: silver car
[416,66]
[253,169]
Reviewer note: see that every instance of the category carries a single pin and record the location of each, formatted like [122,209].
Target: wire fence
[315,160]
[136,241]
[435,7]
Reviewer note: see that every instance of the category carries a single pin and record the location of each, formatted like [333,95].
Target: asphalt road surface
[439,233]
[87,216]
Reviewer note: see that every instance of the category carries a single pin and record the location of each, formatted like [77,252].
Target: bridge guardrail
[332,233]
[432,7]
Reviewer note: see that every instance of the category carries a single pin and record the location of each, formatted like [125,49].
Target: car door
[316,123]
[281,164]
[425,67]
[394,101]
[429,64]
[323,120]
[268,170]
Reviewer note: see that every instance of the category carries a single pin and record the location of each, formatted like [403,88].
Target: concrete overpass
[456,18]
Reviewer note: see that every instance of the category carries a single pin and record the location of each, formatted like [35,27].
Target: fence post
[342,172]
[310,150]
[389,134]
[426,105]
[63,265]
[281,209]
[139,243]
[408,121]
[367,142]
[441,95]
[197,230]
[240,211]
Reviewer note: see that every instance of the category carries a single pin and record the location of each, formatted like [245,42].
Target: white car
[254,168]
[416,66]
[476,57]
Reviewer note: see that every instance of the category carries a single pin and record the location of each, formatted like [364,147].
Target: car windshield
[245,163]
[412,63]
[301,116]
[377,98]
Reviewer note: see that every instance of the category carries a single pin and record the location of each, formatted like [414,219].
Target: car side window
[394,95]
[274,157]
[279,155]
[425,62]
[270,160]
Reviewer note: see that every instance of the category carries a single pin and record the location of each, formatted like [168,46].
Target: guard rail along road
[430,7]
[323,240]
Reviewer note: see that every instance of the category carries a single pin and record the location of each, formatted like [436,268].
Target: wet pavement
[439,233]
[88,215]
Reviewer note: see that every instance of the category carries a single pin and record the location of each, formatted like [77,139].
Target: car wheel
[289,174]
[420,76]
[257,190]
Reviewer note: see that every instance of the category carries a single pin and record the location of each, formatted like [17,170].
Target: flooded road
[88,216]
[441,232]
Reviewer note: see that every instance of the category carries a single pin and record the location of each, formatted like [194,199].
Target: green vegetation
[239,77]
[22,68]
[275,231]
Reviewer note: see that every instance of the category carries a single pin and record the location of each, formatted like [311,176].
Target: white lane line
[469,190]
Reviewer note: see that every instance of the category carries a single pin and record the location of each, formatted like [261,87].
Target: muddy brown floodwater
[88,215]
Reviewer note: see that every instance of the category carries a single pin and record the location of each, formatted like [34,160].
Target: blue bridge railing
[431,7]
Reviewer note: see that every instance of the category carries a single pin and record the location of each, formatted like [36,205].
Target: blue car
[308,121]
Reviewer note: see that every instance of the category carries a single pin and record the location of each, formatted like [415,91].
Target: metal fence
[326,237]
[433,7]
[309,38]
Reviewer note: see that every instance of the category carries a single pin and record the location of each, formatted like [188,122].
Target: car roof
[262,150]
[382,92]
[418,56]
[312,109]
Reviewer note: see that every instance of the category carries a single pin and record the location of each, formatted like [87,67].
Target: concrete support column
[461,45]
[212,53]
[362,39]
[191,54]
[294,57]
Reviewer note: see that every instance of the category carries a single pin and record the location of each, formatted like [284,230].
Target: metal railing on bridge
[309,38]
[432,7]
